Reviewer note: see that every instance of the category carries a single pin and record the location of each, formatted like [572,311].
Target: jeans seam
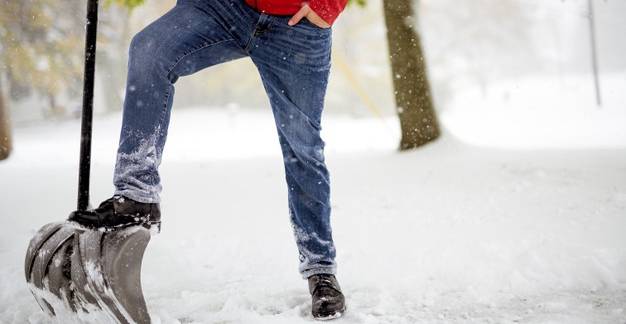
[249,43]
[207,45]
[164,110]
[270,21]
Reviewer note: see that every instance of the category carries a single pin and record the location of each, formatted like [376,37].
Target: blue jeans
[294,64]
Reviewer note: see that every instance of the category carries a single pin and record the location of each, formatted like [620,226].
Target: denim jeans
[294,64]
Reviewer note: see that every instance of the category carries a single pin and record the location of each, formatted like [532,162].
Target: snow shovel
[79,265]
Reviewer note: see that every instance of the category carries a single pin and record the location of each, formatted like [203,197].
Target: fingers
[299,15]
[313,17]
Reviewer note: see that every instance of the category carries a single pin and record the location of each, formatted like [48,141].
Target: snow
[516,215]
[451,233]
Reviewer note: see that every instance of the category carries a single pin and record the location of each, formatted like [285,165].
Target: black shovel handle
[87,112]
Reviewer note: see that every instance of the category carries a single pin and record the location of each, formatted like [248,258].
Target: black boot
[119,212]
[327,299]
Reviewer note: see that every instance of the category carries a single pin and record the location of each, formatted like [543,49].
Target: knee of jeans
[145,52]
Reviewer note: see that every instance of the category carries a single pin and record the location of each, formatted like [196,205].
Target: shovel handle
[87,111]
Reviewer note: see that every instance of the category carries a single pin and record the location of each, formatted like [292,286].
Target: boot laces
[324,283]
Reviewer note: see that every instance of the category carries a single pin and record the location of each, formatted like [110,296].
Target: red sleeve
[328,10]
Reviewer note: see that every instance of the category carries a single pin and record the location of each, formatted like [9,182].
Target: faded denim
[294,64]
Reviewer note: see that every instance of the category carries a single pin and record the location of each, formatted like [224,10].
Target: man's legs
[185,40]
[294,63]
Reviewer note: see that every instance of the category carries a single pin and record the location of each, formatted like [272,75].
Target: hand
[307,12]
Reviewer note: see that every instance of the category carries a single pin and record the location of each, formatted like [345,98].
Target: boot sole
[329,317]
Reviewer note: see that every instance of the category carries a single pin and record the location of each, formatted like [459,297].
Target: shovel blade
[83,270]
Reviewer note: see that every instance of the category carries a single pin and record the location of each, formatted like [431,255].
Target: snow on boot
[119,211]
[328,301]
[94,261]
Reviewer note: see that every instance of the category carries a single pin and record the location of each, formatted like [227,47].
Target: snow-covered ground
[451,233]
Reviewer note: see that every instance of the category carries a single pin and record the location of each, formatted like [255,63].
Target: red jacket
[326,9]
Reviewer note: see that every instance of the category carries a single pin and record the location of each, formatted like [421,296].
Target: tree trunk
[5,132]
[418,120]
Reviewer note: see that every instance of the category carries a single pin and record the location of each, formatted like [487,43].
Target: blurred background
[493,63]
[477,152]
